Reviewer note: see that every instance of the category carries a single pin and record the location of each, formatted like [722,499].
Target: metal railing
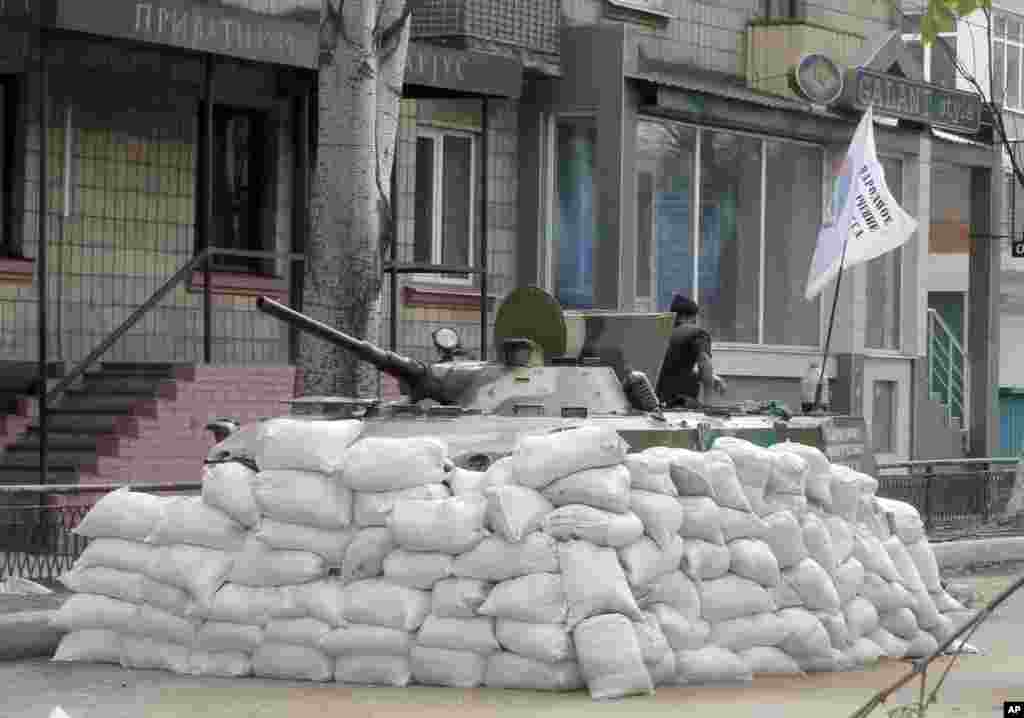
[37,539]
[956,497]
[948,369]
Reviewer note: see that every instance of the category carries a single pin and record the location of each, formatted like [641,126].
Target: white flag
[865,217]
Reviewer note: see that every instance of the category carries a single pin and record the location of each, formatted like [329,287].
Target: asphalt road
[976,687]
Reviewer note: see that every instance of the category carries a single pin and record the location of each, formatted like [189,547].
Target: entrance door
[950,307]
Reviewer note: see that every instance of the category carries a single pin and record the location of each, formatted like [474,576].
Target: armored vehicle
[554,370]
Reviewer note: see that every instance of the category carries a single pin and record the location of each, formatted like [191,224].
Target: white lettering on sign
[199,31]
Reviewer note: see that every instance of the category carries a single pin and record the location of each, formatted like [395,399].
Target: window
[760,209]
[883,417]
[8,177]
[884,278]
[937,62]
[576,230]
[444,214]
[241,179]
[1007,58]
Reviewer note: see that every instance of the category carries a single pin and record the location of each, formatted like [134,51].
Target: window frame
[926,57]
[12,185]
[762,247]
[437,134]
[901,267]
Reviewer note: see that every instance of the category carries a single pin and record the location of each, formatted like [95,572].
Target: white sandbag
[540,459]
[221,664]
[303,497]
[785,536]
[923,644]
[732,597]
[729,489]
[785,595]
[835,625]
[218,636]
[458,597]
[681,632]
[906,519]
[246,604]
[818,541]
[142,653]
[513,512]
[535,598]
[372,508]
[443,667]
[161,625]
[544,642]
[740,634]
[594,582]
[663,673]
[132,556]
[508,670]
[122,514]
[379,463]
[200,571]
[943,630]
[740,524]
[417,569]
[842,537]
[701,519]
[753,559]
[459,634]
[603,528]
[885,595]
[378,602]
[603,488]
[227,486]
[277,568]
[753,466]
[703,560]
[495,559]
[94,645]
[675,589]
[688,470]
[329,544]
[832,661]
[905,566]
[501,472]
[610,659]
[461,482]
[862,618]
[805,634]
[924,610]
[355,639]
[795,504]
[845,490]
[864,652]
[944,603]
[364,557]
[654,647]
[127,586]
[644,561]
[923,556]
[649,471]
[901,623]
[661,515]
[891,646]
[373,670]
[306,444]
[291,662]
[813,584]
[453,525]
[769,661]
[711,664]
[848,579]
[788,474]
[296,631]
[188,520]
[818,484]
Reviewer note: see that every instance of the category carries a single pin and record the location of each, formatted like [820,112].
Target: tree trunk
[359,91]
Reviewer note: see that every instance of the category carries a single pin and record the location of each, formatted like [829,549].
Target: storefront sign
[916,101]
[470,72]
[202,27]
[845,441]
[818,79]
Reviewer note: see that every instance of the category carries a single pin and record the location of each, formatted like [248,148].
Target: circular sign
[818,79]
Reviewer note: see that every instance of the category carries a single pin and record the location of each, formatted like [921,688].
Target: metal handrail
[97,488]
[926,463]
[950,375]
[937,318]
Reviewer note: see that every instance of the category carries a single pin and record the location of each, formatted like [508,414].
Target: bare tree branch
[387,39]
[332,28]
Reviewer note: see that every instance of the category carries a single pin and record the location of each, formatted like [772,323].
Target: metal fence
[37,539]
[956,497]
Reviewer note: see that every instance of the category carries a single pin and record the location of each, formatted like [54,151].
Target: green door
[950,307]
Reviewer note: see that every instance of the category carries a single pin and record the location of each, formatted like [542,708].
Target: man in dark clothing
[687,364]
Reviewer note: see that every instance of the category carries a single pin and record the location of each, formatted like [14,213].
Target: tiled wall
[133,174]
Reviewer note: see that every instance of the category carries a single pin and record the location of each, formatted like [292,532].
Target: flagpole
[828,336]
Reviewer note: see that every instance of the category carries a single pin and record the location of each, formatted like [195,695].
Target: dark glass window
[240,184]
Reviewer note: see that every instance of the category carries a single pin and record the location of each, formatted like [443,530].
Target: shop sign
[818,79]
[915,101]
[201,27]
[1017,247]
[463,71]
[845,441]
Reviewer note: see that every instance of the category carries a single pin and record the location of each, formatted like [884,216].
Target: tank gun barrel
[401,367]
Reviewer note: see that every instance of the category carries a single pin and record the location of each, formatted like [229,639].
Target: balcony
[531,25]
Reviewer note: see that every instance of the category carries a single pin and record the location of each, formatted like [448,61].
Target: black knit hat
[684,306]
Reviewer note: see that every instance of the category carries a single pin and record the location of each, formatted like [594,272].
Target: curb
[958,554]
[28,634]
